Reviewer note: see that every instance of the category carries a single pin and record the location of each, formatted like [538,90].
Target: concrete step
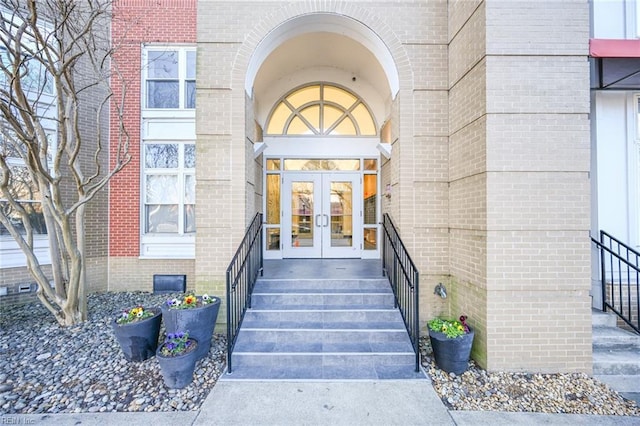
[313,301]
[325,366]
[275,341]
[599,318]
[619,361]
[322,286]
[373,319]
[621,383]
[611,338]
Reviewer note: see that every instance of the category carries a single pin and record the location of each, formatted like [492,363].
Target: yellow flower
[190,300]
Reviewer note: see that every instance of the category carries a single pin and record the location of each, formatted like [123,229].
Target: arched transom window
[321,109]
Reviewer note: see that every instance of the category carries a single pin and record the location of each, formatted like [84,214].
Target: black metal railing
[620,279]
[404,278]
[241,277]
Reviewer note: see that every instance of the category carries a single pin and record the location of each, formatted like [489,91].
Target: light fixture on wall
[440,290]
[387,191]
[385,149]
[258,147]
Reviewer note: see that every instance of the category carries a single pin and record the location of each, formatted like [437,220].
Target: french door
[321,215]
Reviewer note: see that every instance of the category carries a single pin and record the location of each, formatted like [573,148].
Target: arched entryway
[321,88]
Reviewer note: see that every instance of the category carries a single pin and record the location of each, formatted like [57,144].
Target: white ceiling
[320,56]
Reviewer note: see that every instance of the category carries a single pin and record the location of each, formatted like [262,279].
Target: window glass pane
[161,218]
[35,77]
[345,127]
[278,119]
[191,64]
[370,238]
[298,127]
[364,120]
[339,96]
[34,213]
[370,193]
[273,199]
[312,115]
[190,155]
[273,164]
[331,116]
[304,95]
[162,189]
[370,164]
[163,94]
[273,238]
[190,189]
[162,64]
[190,94]
[347,164]
[161,156]
[189,218]
[21,187]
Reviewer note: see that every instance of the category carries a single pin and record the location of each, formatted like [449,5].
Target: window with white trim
[169,188]
[169,77]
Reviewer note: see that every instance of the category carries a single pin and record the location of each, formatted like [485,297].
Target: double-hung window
[170,78]
[169,188]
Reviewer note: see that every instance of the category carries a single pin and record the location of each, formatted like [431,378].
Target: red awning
[614,48]
[616,64]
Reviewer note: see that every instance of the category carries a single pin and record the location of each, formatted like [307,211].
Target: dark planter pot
[177,371]
[139,340]
[198,322]
[452,355]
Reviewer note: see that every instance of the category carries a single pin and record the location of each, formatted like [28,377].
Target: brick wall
[519,189]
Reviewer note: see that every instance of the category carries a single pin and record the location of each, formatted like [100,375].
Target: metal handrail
[404,278]
[620,275]
[241,276]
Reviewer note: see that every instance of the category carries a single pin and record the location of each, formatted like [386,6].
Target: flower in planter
[450,328]
[135,314]
[177,344]
[190,301]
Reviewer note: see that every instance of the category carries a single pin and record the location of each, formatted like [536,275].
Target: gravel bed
[45,368]
[478,390]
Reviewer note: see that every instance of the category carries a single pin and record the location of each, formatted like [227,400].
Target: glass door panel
[301,218]
[341,214]
[302,214]
[341,203]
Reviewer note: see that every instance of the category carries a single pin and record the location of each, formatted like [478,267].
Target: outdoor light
[440,290]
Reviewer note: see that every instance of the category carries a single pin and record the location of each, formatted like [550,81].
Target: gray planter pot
[451,355]
[177,371]
[139,340]
[198,322]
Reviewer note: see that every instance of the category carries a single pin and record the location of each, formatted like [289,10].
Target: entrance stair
[616,355]
[323,329]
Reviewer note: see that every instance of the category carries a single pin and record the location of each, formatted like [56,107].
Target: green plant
[190,301]
[135,314]
[450,328]
[177,344]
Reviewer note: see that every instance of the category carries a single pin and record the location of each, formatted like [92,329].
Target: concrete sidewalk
[353,403]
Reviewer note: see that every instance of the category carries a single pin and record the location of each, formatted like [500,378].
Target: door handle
[326,217]
[318,224]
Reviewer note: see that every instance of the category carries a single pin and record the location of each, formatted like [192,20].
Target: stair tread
[398,372]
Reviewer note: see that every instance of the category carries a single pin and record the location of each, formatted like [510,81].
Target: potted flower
[137,331]
[177,357]
[196,314]
[451,341]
